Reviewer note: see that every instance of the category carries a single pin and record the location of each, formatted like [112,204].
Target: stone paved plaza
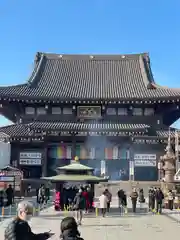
[113,226]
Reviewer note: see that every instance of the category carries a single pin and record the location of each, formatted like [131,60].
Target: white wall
[5,154]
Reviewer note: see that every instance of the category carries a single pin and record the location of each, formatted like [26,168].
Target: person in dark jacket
[141,197]
[1,198]
[79,205]
[109,197]
[134,196]
[19,228]
[151,195]
[10,195]
[159,196]
[122,200]
[69,229]
[120,195]
[47,194]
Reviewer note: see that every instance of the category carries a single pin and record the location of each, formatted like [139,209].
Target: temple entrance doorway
[31,171]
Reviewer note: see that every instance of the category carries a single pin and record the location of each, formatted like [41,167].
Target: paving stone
[113,226]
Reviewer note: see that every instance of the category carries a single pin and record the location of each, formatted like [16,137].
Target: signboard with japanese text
[30,158]
[144,163]
[89,112]
[35,162]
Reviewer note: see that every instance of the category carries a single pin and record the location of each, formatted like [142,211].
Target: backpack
[9,233]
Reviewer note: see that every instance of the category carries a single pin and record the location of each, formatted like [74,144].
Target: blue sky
[95,26]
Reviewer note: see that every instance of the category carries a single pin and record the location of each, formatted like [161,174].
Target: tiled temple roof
[91,126]
[83,77]
[27,129]
[16,130]
[165,133]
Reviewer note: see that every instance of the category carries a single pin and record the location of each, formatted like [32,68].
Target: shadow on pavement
[114,212]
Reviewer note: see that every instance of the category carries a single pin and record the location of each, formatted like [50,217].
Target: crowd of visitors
[79,200]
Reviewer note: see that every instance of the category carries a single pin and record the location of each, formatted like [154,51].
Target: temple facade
[105,109]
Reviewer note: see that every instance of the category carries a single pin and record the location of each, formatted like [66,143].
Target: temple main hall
[107,110]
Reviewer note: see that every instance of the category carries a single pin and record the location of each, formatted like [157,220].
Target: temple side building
[106,109]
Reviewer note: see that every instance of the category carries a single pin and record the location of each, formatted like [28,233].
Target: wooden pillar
[131,161]
[44,161]
[73,153]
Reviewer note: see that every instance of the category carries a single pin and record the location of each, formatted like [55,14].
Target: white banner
[144,163]
[144,156]
[31,155]
[68,153]
[92,153]
[131,168]
[115,152]
[30,162]
[103,167]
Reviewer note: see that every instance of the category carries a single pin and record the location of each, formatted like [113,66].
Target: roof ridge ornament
[37,58]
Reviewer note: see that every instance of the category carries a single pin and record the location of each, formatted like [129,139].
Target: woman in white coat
[103,200]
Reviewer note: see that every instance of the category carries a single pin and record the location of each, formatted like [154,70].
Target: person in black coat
[159,196]
[69,229]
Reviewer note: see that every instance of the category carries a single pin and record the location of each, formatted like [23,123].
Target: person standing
[103,201]
[170,200]
[134,196]
[79,206]
[10,195]
[109,197]
[120,195]
[1,198]
[159,196]
[85,195]
[41,195]
[141,197]
[47,194]
[28,190]
[151,196]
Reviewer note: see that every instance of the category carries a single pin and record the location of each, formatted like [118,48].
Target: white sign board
[144,156]
[35,162]
[131,168]
[144,163]
[31,155]
[6,179]
[30,158]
